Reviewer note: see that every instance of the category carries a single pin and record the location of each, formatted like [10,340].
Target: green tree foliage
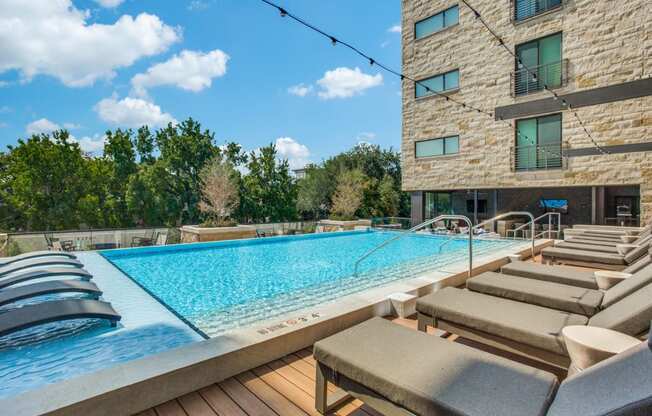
[349,194]
[152,178]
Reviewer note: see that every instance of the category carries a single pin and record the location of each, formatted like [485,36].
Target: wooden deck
[284,387]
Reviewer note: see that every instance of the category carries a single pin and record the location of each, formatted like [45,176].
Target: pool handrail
[510,214]
[417,228]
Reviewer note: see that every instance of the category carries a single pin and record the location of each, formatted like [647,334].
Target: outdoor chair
[398,371]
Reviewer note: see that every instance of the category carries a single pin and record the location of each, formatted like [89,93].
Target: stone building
[531,153]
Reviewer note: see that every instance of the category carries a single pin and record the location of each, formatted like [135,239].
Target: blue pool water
[225,285]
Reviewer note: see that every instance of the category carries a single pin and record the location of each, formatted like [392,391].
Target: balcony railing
[536,157]
[525,9]
[532,79]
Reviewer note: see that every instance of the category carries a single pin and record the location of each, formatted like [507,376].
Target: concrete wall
[605,42]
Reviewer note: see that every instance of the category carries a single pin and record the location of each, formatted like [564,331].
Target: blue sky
[234,65]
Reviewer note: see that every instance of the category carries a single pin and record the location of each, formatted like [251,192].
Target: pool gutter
[137,385]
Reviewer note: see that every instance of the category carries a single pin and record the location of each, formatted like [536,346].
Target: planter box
[195,234]
[334,225]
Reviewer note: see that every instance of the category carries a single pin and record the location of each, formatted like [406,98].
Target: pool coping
[137,385]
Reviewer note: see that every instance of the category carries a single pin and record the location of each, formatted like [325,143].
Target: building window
[524,9]
[541,65]
[438,147]
[432,24]
[538,143]
[438,83]
[437,203]
[482,206]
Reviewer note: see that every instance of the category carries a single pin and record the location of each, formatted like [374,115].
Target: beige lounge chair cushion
[577,240]
[639,264]
[536,292]
[618,386]
[630,315]
[628,286]
[558,274]
[589,247]
[528,324]
[430,376]
[637,253]
[583,255]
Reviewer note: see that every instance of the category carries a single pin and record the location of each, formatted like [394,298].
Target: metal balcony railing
[535,157]
[525,9]
[533,79]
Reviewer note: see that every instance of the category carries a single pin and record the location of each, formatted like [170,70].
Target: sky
[236,66]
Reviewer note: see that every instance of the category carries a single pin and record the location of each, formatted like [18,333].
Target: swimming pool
[220,286]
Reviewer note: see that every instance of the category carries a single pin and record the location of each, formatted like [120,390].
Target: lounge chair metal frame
[505,344]
[347,389]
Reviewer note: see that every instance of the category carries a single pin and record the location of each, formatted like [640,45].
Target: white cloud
[94,145]
[5,109]
[296,153]
[395,29]
[3,124]
[4,84]
[109,3]
[189,70]
[365,137]
[54,38]
[132,112]
[42,125]
[71,126]
[300,90]
[384,44]
[346,82]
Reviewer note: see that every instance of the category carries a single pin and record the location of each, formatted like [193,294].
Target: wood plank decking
[284,387]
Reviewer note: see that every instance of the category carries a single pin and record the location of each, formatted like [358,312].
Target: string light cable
[372,61]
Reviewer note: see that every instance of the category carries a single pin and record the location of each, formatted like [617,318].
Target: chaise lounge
[35,254]
[39,262]
[529,330]
[397,371]
[582,301]
[33,290]
[25,275]
[611,261]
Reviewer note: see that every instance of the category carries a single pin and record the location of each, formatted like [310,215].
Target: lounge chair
[397,371]
[566,275]
[44,273]
[594,259]
[35,254]
[601,245]
[530,330]
[588,239]
[39,262]
[572,299]
[46,288]
[52,311]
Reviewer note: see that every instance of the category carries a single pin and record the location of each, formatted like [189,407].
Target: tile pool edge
[140,384]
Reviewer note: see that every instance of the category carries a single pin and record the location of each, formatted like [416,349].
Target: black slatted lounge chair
[34,255]
[529,330]
[38,262]
[400,372]
[572,299]
[54,311]
[46,288]
[43,273]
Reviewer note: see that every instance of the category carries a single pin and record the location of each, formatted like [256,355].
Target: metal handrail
[547,214]
[416,228]
[510,214]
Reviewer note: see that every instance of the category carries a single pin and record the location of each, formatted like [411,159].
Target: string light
[534,76]
[334,41]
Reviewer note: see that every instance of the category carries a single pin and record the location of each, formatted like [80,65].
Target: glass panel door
[550,60]
[529,55]
[549,140]
[526,139]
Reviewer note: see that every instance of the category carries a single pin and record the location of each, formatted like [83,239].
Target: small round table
[608,278]
[588,345]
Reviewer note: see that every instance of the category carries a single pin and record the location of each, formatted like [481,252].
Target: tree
[185,149]
[314,191]
[351,185]
[119,150]
[389,197]
[219,190]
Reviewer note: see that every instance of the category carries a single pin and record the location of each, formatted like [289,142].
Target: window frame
[443,140]
[561,136]
[536,15]
[443,75]
[444,26]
